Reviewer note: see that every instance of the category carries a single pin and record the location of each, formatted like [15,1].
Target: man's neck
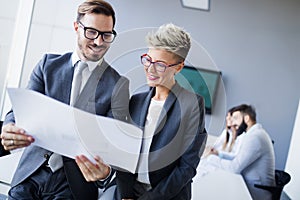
[250,124]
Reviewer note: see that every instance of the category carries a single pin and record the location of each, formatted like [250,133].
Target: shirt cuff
[105,179]
[102,183]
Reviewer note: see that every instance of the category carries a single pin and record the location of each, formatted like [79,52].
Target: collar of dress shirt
[92,65]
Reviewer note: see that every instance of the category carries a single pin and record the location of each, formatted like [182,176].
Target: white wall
[51,31]
[8,13]
[255,44]
[292,164]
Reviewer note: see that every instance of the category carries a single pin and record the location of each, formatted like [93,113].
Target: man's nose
[235,126]
[98,41]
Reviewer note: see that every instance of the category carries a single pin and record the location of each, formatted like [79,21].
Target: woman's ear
[179,67]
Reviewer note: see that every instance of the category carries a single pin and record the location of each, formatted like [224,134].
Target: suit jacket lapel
[64,77]
[144,109]
[167,106]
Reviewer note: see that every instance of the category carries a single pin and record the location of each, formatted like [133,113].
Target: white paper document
[71,132]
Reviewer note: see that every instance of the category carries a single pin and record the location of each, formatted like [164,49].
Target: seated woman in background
[172,119]
[228,143]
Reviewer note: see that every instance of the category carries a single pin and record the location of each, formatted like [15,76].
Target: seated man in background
[255,159]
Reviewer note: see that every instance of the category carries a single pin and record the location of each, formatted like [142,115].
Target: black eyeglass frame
[153,63]
[85,28]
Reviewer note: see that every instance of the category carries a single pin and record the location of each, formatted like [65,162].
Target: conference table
[220,184]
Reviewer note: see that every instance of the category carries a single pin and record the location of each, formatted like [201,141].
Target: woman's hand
[93,171]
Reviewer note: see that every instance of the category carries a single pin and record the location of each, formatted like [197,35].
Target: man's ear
[246,119]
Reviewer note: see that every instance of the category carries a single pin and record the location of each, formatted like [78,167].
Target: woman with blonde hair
[172,119]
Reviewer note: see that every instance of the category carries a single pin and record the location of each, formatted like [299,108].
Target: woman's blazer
[176,147]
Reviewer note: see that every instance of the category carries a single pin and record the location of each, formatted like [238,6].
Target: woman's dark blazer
[176,148]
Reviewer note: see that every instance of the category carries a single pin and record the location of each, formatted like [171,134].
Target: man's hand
[91,171]
[14,137]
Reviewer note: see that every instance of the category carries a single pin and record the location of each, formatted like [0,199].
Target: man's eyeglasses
[159,66]
[92,34]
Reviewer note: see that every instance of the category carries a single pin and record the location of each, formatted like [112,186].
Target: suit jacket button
[46,156]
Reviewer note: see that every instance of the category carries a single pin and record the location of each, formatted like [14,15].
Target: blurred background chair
[281,178]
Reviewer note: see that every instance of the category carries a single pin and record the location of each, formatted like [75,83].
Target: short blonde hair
[172,39]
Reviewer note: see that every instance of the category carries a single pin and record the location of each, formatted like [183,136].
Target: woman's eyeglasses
[159,66]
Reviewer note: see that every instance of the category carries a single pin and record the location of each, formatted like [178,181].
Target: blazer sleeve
[185,170]
[35,83]
[125,182]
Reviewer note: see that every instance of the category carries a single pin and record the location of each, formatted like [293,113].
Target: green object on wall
[200,81]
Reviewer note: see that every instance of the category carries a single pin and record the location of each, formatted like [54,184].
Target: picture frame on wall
[196,4]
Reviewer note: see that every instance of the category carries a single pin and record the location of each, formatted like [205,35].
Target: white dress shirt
[86,73]
[154,111]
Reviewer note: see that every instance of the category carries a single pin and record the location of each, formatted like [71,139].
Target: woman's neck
[161,93]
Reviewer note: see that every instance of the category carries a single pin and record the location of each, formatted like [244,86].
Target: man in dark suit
[103,92]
